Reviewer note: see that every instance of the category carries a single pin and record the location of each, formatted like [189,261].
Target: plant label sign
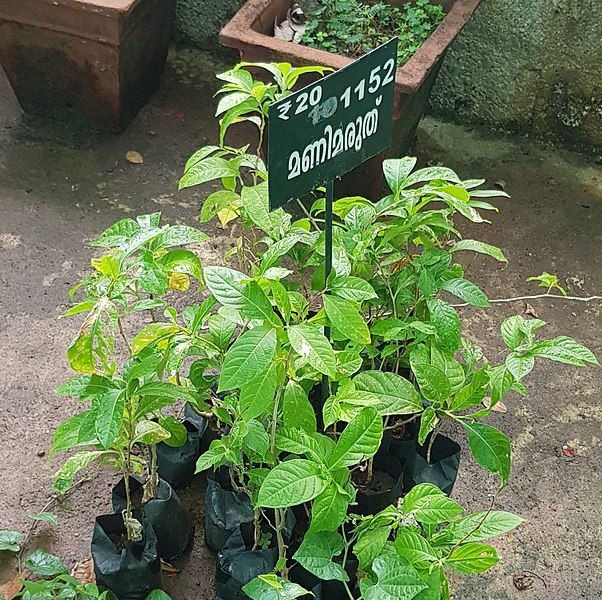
[330,127]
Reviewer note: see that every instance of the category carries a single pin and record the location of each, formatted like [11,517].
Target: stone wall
[532,66]
[200,21]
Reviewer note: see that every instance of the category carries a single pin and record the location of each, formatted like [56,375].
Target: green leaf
[481,526]
[76,386]
[165,390]
[206,170]
[222,200]
[272,587]
[221,330]
[256,207]
[107,265]
[471,394]
[118,234]
[360,440]
[297,411]
[63,478]
[257,305]
[316,553]
[472,558]
[467,291]
[354,289]
[480,247]
[44,564]
[311,344]
[396,580]
[177,431]
[396,171]
[182,261]
[10,541]
[446,322]
[153,333]
[80,354]
[428,421]
[519,365]
[250,355]
[512,333]
[490,448]
[565,350]
[397,395]
[501,382]
[329,509]
[346,319]
[226,285]
[109,416]
[179,235]
[216,455]
[290,483]
[66,435]
[416,549]
[149,433]
[370,544]
[430,505]
[257,396]
[433,382]
[158,595]
[282,300]
[45,517]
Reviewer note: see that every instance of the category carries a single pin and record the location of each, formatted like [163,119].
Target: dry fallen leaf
[134,157]
[12,587]
[522,581]
[169,569]
[530,311]
[500,184]
[498,407]
[83,571]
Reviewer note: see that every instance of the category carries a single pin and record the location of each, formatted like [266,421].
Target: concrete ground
[59,189]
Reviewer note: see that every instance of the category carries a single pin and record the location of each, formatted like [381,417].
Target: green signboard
[330,127]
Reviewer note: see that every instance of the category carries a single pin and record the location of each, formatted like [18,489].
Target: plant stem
[150,488]
[434,434]
[279,513]
[124,337]
[257,528]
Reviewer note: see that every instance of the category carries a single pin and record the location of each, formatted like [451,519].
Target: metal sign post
[328,128]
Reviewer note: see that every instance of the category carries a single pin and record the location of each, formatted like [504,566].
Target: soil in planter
[177,465]
[171,522]
[383,489]
[131,570]
[442,469]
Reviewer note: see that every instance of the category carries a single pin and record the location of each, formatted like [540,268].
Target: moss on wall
[530,66]
[200,21]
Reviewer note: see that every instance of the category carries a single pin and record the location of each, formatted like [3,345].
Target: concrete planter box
[250,32]
[92,62]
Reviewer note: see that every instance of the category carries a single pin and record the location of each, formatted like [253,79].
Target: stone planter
[91,62]
[250,32]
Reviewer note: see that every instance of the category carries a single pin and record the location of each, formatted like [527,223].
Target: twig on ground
[535,297]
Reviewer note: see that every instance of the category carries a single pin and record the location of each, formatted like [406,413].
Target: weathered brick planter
[95,62]
[250,32]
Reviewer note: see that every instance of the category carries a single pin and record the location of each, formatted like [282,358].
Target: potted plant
[125,418]
[337,30]
[302,423]
[399,355]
